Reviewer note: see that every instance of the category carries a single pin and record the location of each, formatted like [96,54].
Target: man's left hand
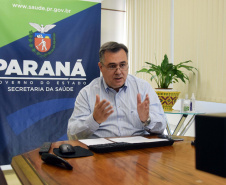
[143,107]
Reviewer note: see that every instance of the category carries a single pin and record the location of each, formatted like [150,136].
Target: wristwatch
[146,123]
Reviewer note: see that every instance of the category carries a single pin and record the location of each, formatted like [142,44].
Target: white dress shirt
[124,121]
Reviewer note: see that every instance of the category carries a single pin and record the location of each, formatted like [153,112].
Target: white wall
[113,16]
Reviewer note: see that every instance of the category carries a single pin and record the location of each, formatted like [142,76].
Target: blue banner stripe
[63,138]
[24,118]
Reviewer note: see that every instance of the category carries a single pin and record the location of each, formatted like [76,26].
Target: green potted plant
[166,74]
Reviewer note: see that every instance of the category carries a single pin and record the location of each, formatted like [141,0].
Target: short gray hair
[112,47]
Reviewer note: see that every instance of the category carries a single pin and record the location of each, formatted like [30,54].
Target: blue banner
[48,52]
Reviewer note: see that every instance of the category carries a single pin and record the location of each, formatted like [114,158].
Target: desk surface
[161,165]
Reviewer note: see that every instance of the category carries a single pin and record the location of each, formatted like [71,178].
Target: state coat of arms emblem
[41,41]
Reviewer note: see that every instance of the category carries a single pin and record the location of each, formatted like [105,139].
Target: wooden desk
[162,165]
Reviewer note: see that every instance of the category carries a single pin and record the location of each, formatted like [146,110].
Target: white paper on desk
[136,139]
[95,141]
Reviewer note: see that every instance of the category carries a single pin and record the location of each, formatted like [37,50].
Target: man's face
[114,78]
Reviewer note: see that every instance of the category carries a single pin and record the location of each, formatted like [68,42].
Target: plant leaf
[168,73]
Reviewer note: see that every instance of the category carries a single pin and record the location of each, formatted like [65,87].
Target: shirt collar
[107,88]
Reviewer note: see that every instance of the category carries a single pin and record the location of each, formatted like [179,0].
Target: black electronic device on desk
[56,160]
[66,149]
[45,147]
[175,138]
[210,143]
[69,151]
[122,146]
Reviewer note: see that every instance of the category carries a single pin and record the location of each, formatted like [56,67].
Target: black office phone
[55,160]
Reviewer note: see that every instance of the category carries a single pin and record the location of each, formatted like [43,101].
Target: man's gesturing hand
[102,110]
[143,107]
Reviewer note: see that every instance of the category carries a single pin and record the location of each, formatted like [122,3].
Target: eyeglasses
[114,67]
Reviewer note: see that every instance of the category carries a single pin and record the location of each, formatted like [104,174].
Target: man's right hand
[102,110]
